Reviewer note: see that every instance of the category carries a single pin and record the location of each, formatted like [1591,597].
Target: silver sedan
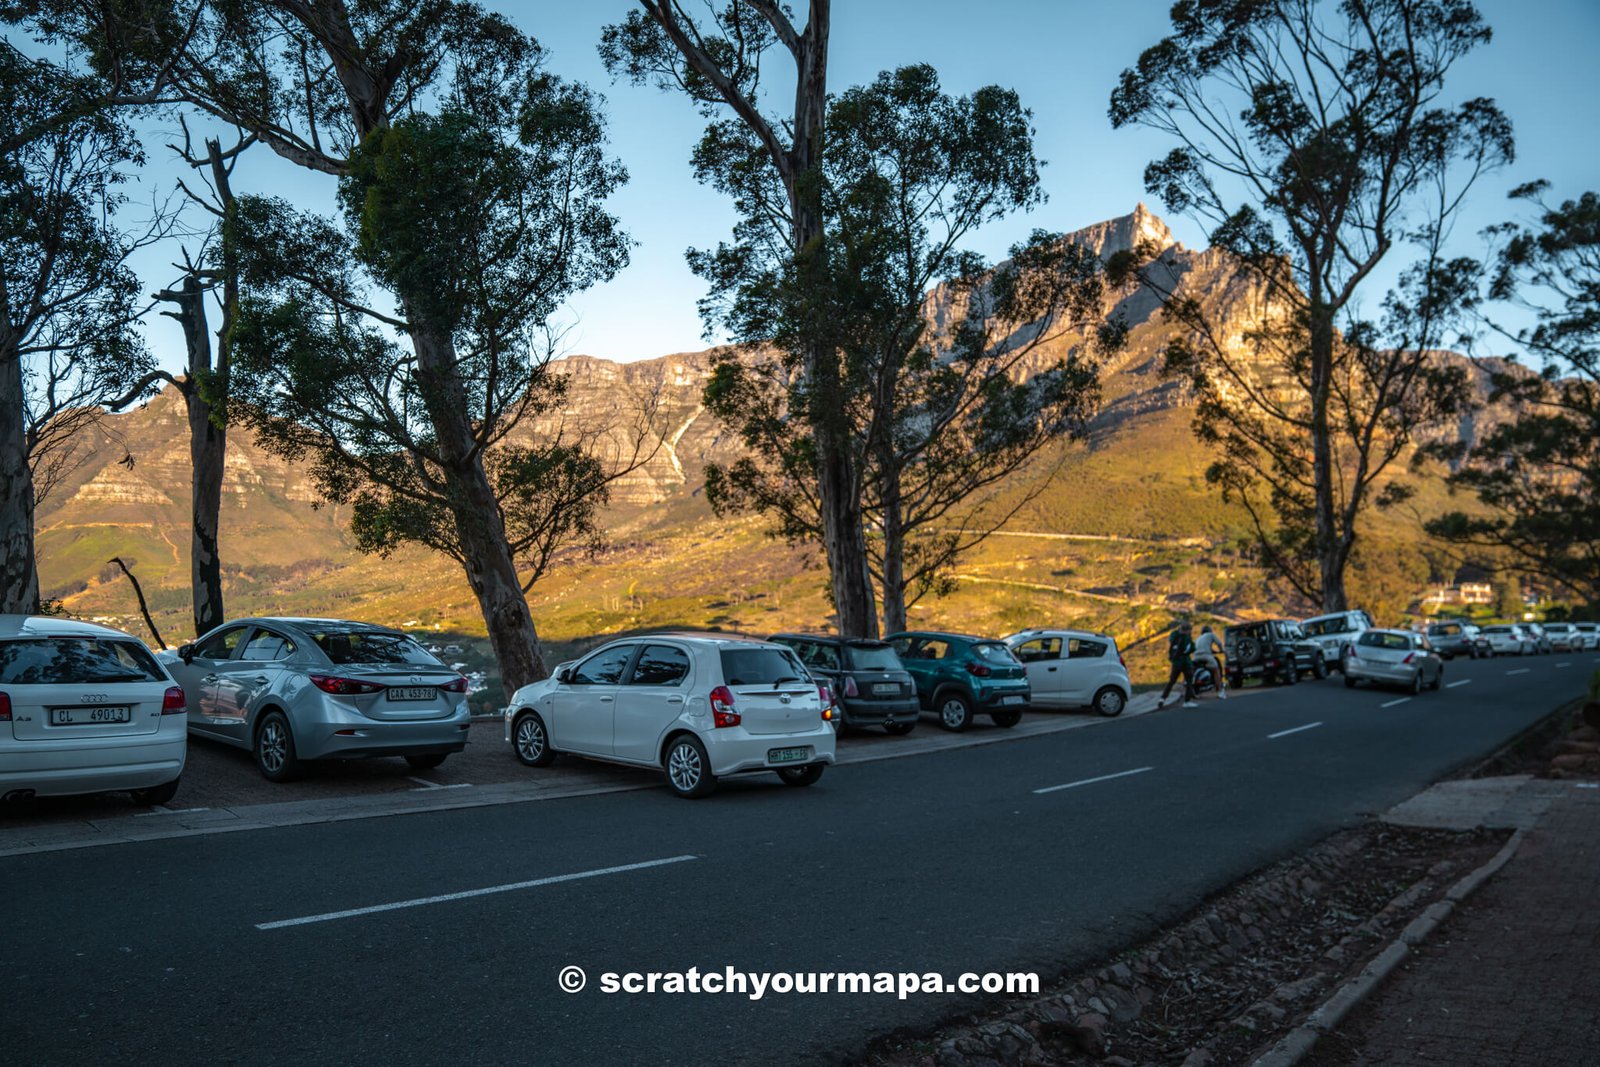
[290,690]
[1394,657]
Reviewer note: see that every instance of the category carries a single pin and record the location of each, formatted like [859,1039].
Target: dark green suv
[959,676]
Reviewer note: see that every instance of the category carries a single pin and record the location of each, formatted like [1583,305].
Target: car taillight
[722,712]
[173,703]
[343,687]
[825,695]
[457,686]
[979,669]
[5,708]
[1122,661]
[1410,656]
[850,689]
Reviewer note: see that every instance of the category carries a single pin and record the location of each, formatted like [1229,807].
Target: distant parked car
[1541,640]
[1275,650]
[87,709]
[1335,633]
[1510,640]
[291,690]
[697,706]
[1563,637]
[959,676]
[1451,639]
[868,683]
[1073,669]
[1590,634]
[1394,657]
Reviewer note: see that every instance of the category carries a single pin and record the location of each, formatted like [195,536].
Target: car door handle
[209,678]
[261,679]
[674,700]
[1052,669]
[605,700]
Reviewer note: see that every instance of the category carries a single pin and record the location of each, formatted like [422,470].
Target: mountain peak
[1124,232]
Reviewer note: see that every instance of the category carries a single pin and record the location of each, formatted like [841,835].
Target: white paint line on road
[1520,670]
[424,782]
[468,893]
[431,786]
[162,809]
[1560,665]
[1586,785]
[1091,781]
[1452,685]
[1293,730]
[1393,703]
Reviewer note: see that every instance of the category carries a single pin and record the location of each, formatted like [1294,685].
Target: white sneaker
[1190,704]
[1222,694]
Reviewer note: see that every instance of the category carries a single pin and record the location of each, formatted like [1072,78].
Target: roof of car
[941,634]
[19,626]
[700,635]
[309,623]
[831,638]
[1056,632]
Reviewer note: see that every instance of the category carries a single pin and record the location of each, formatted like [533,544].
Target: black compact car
[1274,650]
[870,685]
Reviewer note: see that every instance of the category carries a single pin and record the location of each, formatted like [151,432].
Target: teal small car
[959,676]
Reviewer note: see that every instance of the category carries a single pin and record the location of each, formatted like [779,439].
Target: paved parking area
[222,791]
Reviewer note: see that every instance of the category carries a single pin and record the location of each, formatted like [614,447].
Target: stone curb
[1299,1042]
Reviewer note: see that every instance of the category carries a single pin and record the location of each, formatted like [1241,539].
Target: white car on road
[86,709]
[1336,632]
[697,706]
[1073,669]
[1394,657]
[1510,640]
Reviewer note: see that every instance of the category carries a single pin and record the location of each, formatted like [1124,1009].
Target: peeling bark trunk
[894,559]
[208,442]
[1332,550]
[19,573]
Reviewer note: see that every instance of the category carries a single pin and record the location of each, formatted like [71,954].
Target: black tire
[1349,682]
[1319,668]
[426,763]
[899,729]
[274,749]
[157,794]
[955,710]
[688,768]
[1110,701]
[1438,681]
[530,741]
[1006,719]
[1290,675]
[1416,683]
[800,777]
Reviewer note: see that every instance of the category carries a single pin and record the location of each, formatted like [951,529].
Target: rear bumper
[350,740]
[878,712]
[733,751]
[991,701]
[1399,674]
[59,769]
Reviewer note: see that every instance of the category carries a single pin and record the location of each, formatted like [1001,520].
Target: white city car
[1394,657]
[1510,640]
[1073,669]
[86,709]
[697,706]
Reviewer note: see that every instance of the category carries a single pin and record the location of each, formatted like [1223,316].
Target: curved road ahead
[969,860]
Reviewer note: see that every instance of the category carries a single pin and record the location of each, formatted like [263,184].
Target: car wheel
[1110,702]
[800,777]
[1291,674]
[899,729]
[689,768]
[274,749]
[159,794]
[955,712]
[1438,680]
[425,763]
[1319,667]
[1007,719]
[531,741]
[1416,682]
[1349,682]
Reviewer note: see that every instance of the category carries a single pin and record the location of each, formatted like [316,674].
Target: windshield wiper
[785,678]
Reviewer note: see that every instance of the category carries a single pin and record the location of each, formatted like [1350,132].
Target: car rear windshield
[1497,629]
[873,658]
[1339,624]
[761,666]
[70,660]
[994,652]
[372,646]
[1376,639]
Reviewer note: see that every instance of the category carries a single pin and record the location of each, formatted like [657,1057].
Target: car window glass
[221,645]
[872,658]
[1040,648]
[994,652]
[1082,648]
[604,667]
[265,646]
[760,666]
[824,657]
[933,648]
[70,660]
[660,665]
[372,646]
[1378,639]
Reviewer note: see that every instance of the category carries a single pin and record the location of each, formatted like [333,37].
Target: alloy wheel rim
[530,739]
[684,767]
[1110,701]
[272,747]
[953,712]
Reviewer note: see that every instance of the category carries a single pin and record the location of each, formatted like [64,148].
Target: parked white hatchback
[1510,640]
[1073,669]
[1394,657]
[698,706]
[86,709]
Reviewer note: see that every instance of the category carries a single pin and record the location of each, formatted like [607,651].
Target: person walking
[1208,653]
[1180,650]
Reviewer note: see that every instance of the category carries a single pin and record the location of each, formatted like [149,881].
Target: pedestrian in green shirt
[1180,654]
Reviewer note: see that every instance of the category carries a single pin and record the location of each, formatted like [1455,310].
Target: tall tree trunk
[480,526]
[208,442]
[19,573]
[894,554]
[1332,552]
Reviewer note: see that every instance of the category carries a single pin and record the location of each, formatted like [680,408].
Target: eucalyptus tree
[1315,141]
[948,388]
[716,58]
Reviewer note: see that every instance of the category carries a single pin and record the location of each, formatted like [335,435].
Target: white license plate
[1010,700]
[418,692]
[86,716]
[788,755]
[886,689]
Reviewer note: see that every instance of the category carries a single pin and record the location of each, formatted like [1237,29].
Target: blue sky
[1062,56]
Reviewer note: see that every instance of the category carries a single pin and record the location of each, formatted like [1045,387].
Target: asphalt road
[946,862]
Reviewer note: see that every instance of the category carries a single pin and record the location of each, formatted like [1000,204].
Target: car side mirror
[564,675]
[186,652]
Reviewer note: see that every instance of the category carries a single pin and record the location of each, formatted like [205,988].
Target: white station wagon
[86,709]
[698,706]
